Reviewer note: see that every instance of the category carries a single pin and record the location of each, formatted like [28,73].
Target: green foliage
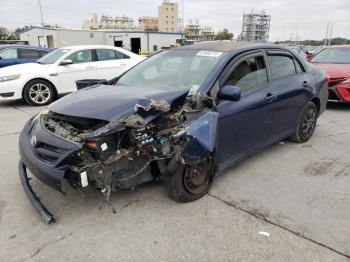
[334,41]
[224,35]
[4,33]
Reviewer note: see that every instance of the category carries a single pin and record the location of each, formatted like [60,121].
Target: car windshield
[333,56]
[53,56]
[172,69]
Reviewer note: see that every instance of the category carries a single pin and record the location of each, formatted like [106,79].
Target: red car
[336,61]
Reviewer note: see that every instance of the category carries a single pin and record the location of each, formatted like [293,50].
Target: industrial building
[256,27]
[109,22]
[148,23]
[135,41]
[195,32]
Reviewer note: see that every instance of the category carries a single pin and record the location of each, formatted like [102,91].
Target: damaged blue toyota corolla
[183,115]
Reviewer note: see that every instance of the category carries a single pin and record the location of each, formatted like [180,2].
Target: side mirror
[66,62]
[231,93]
[0,57]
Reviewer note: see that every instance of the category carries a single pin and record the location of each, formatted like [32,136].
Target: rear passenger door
[245,125]
[111,63]
[287,90]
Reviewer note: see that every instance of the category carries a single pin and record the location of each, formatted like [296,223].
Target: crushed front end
[118,154]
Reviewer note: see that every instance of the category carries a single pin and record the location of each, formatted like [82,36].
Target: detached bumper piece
[34,199]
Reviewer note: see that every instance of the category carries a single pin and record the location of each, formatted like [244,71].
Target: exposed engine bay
[134,149]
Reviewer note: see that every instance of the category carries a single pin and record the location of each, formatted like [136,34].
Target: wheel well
[54,88]
[317,102]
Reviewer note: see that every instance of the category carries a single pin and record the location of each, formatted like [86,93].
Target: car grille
[48,153]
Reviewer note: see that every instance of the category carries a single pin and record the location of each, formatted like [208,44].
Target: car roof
[75,47]
[25,47]
[227,46]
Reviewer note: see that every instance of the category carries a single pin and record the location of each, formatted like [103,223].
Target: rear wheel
[190,182]
[38,92]
[307,124]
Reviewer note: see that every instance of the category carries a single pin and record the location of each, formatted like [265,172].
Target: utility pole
[41,14]
[297,33]
[326,38]
[330,34]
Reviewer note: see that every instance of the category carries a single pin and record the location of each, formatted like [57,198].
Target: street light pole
[41,14]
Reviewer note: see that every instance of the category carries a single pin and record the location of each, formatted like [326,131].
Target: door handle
[270,97]
[305,84]
[90,67]
[123,64]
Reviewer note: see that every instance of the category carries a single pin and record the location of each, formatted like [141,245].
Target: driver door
[244,125]
[83,67]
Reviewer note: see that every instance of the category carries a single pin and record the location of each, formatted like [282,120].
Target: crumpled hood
[108,102]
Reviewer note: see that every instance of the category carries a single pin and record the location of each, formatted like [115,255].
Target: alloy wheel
[39,93]
[309,122]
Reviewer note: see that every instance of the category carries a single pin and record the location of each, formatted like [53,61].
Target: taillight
[90,144]
[344,91]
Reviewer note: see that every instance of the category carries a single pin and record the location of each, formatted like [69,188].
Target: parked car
[183,115]
[41,82]
[336,61]
[20,54]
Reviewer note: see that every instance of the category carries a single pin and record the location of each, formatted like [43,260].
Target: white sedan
[55,73]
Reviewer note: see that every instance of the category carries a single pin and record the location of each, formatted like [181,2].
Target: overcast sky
[311,15]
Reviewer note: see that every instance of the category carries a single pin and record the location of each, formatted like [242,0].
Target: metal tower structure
[256,27]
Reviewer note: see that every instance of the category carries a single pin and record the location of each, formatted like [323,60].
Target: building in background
[109,22]
[168,17]
[133,40]
[194,32]
[256,27]
[208,33]
[148,23]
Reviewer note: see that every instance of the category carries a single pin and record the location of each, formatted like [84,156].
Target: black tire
[39,92]
[307,124]
[178,182]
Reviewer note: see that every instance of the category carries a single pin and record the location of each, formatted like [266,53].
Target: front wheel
[307,124]
[190,182]
[38,92]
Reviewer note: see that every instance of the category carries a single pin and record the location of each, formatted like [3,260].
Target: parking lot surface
[297,193]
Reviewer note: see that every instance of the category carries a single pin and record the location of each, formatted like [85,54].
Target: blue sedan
[183,115]
[19,54]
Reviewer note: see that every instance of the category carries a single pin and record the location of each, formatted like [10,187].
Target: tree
[4,33]
[224,35]
[15,35]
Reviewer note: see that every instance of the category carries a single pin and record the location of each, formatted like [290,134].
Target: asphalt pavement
[290,202]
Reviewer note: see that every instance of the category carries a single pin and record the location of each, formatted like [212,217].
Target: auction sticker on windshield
[209,53]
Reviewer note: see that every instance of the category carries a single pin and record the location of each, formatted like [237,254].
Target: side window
[120,55]
[9,53]
[83,56]
[29,54]
[281,66]
[249,74]
[106,54]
